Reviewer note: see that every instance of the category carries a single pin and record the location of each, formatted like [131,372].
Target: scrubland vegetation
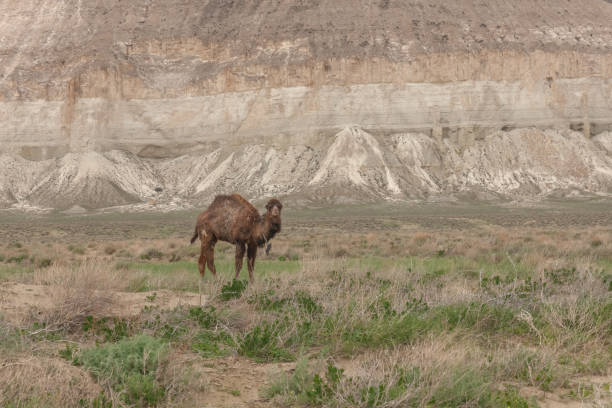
[346,311]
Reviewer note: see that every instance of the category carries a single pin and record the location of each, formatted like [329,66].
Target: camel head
[273,214]
[274,208]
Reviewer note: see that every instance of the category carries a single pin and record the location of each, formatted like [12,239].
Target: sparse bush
[78,250]
[596,243]
[510,398]
[69,352]
[341,253]
[306,387]
[152,254]
[17,259]
[266,301]
[109,250]
[128,367]
[45,263]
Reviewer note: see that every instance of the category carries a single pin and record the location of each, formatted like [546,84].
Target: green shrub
[510,398]
[262,343]
[206,317]
[210,343]
[69,352]
[128,367]
[112,330]
[305,387]
[143,390]
[101,401]
[266,301]
[307,304]
[233,290]
[313,389]
[171,330]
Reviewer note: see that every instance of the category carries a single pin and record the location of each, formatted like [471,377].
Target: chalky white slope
[353,166]
[93,180]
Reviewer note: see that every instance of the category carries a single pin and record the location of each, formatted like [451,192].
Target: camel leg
[240,249]
[251,254]
[210,256]
[202,269]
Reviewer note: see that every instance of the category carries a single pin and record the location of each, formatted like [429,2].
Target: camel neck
[266,229]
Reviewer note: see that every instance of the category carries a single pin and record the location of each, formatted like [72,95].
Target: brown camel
[233,219]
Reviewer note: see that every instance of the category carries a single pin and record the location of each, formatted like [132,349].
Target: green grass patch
[225,267]
[9,272]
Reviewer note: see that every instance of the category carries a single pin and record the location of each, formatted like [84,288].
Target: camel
[231,218]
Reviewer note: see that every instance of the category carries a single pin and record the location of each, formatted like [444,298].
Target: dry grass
[36,381]
[548,283]
[76,291]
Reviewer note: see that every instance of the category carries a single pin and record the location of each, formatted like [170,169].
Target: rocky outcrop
[102,103]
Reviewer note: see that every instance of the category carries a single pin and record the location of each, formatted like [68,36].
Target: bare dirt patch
[228,382]
[20,302]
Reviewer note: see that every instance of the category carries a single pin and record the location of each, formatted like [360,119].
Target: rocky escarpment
[112,103]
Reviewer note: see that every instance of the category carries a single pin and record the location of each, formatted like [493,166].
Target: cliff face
[102,102]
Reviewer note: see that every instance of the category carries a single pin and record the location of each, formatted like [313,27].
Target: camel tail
[195,234]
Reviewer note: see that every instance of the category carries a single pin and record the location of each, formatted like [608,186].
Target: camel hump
[243,202]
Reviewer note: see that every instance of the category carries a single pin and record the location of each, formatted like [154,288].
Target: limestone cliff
[104,102]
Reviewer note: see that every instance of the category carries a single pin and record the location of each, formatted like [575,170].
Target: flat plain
[433,305]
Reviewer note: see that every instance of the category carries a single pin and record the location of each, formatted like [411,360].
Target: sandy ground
[18,301]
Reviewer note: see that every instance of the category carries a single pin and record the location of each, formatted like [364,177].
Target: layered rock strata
[103,103]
